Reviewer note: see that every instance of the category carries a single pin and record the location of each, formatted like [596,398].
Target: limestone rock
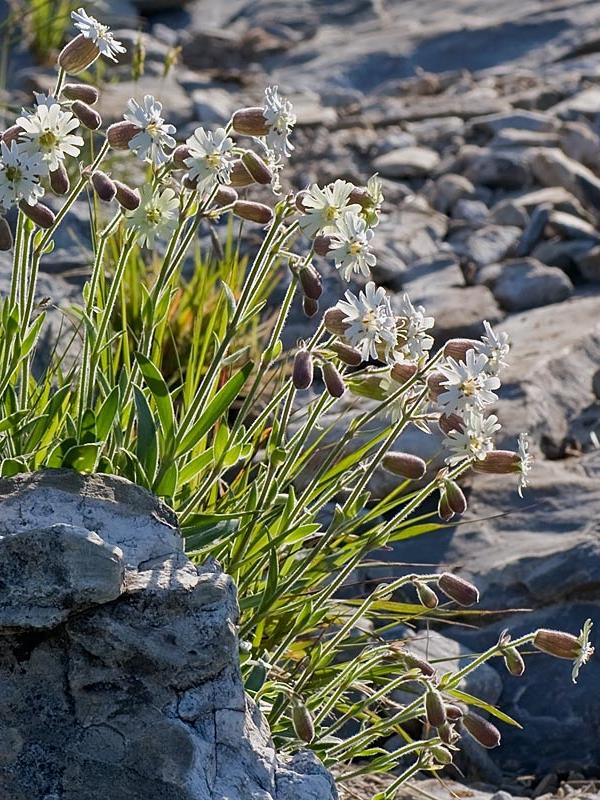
[527,283]
[407,162]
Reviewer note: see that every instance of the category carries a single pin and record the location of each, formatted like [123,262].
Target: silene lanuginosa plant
[233,431]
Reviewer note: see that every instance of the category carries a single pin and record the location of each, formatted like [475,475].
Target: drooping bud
[441,754]
[302,376]
[190,183]
[254,212]
[257,168]
[87,115]
[349,355]
[414,662]
[498,462]
[127,197]
[481,730]
[361,196]
[299,201]
[104,186]
[39,213]
[59,180]
[6,239]
[81,91]
[435,708]
[12,134]
[239,175]
[302,721]
[334,321]
[403,372]
[179,155]
[557,643]
[322,245]
[454,712]
[444,510]
[310,306]
[434,384]
[456,498]
[427,597]
[450,422]
[312,285]
[447,733]
[513,661]
[225,196]
[250,121]
[78,54]
[405,465]
[119,134]
[333,380]
[458,348]
[458,589]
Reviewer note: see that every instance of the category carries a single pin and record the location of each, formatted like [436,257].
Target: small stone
[581,143]
[407,162]
[447,190]
[491,124]
[552,167]
[588,264]
[596,383]
[473,212]
[570,227]
[509,212]
[527,283]
[534,231]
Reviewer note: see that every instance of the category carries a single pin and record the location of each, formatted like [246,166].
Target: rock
[133,690]
[459,311]
[511,137]
[527,283]
[177,108]
[555,196]
[563,253]
[583,104]
[491,124]
[473,212]
[588,264]
[407,162]
[213,106]
[596,383]
[534,230]
[487,245]
[447,190]
[508,212]
[552,167]
[570,227]
[498,169]
[581,143]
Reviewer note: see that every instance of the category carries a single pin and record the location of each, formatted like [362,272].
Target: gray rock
[177,108]
[562,253]
[581,143]
[498,169]
[213,106]
[508,212]
[552,167]
[588,264]
[407,162]
[133,690]
[534,230]
[473,212]
[487,245]
[555,196]
[447,190]
[510,137]
[515,120]
[571,227]
[460,311]
[527,283]
[583,104]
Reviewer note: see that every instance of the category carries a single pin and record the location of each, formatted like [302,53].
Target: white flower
[156,216]
[98,33]
[468,384]
[496,347]
[375,193]
[371,321]
[350,246]
[155,133]
[526,462]
[417,341]
[20,173]
[586,650]
[47,131]
[326,206]
[281,119]
[42,99]
[210,158]
[474,440]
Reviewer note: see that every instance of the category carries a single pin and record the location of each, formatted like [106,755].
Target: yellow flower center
[48,139]
[469,387]
[13,174]
[153,215]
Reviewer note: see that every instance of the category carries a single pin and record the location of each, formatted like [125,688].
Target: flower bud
[59,180]
[361,196]
[458,348]
[333,380]
[6,239]
[498,462]
[414,662]
[450,422]
[557,643]
[119,134]
[310,306]
[513,661]
[303,724]
[257,168]
[39,213]
[349,355]
[299,202]
[481,730]
[404,464]
[250,121]
[444,510]
[87,115]
[322,245]
[12,134]
[302,375]
[456,498]
[127,197]
[225,196]
[457,589]
[104,186]
[81,91]
[312,285]
[334,321]
[435,381]
[254,212]
[403,372]
[447,733]
[179,155]
[453,712]
[434,708]
[78,54]
[441,754]
[427,597]
[239,175]
[190,183]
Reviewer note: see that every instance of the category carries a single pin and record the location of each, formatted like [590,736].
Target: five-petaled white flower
[156,216]
[20,173]
[371,323]
[526,462]
[468,384]
[155,133]
[48,131]
[210,158]
[474,439]
[281,119]
[350,246]
[496,347]
[415,342]
[99,34]
[326,206]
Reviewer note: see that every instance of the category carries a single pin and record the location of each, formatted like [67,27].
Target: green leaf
[475,701]
[107,413]
[160,392]
[167,484]
[82,457]
[196,465]
[146,446]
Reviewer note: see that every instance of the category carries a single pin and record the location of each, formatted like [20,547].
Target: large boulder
[119,659]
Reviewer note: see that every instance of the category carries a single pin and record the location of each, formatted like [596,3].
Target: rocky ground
[483,119]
